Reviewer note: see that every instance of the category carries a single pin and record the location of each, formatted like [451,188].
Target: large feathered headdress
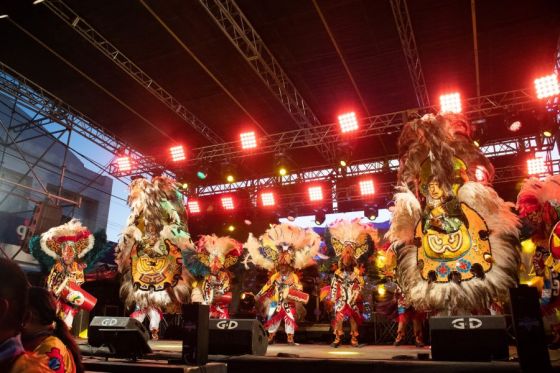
[74,233]
[211,248]
[352,233]
[265,251]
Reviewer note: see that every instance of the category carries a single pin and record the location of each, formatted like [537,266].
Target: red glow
[248,140]
[367,188]
[227,203]
[267,199]
[194,207]
[123,164]
[547,86]
[450,103]
[348,122]
[315,193]
[177,153]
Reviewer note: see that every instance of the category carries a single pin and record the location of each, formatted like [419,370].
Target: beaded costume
[457,241]
[149,253]
[282,249]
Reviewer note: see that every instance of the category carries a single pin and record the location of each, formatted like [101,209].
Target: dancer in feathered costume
[538,204]
[457,241]
[349,240]
[282,249]
[149,253]
[65,251]
[210,262]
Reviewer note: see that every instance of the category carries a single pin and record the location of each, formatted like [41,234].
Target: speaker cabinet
[195,333]
[529,330]
[237,337]
[125,336]
[469,338]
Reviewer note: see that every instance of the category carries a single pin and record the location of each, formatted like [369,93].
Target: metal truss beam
[408,42]
[78,24]
[377,125]
[43,102]
[376,165]
[233,23]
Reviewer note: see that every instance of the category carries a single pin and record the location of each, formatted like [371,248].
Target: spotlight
[230,178]
[348,122]
[194,207]
[450,103]
[343,163]
[177,153]
[228,170]
[201,175]
[371,212]
[367,188]
[536,166]
[281,161]
[123,164]
[320,217]
[481,174]
[227,203]
[231,228]
[476,143]
[248,140]
[515,126]
[267,199]
[547,86]
[315,193]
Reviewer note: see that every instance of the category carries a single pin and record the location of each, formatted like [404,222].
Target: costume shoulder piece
[300,246]
[457,236]
[72,234]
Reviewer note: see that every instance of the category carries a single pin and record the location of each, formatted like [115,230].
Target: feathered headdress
[73,232]
[265,251]
[210,248]
[342,233]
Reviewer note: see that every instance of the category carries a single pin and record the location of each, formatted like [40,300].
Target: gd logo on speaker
[466,323]
[227,324]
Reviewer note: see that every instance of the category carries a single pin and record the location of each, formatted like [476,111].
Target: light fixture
[320,217]
[228,170]
[367,188]
[231,228]
[177,153]
[248,140]
[123,164]
[450,103]
[536,166]
[281,162]
[227,203]
[371,212]
[547,86]
[348,122]
[267,199]
[315,193]
[194,207]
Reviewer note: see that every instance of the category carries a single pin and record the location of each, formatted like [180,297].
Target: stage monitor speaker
[469,338]
[125,336]
[195,333]
[529,330]
[237,337]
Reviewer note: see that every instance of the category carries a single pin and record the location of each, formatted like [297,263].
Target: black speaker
[237,337]
[195,333]
[529,330]
[469,338]
[125,336]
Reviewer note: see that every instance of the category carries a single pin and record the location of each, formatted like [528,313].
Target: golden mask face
[447,246]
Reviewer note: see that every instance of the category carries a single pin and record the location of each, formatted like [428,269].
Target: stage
[314,358]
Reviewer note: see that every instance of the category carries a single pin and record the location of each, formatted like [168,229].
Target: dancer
[65,251]
[538,204]
[210,262]
[149,253]
[282,249]
[456,240]
[349,240]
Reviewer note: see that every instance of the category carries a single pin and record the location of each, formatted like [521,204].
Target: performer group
[454,247]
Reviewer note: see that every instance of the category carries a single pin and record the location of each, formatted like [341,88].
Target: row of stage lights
[545,87]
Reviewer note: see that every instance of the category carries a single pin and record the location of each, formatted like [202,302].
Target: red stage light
[348,122]
[267,199]
[480,174]
[450,103]
[315,193]
[547,86]
[123,164]
[194,207]
[248,140]
[177,153]
[367,188]
[536,166]
[227,203]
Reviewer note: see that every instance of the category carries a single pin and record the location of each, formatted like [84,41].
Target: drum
[298,296]
[73,294]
